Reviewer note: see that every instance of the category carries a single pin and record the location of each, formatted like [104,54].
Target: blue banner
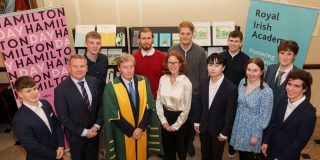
[268,23]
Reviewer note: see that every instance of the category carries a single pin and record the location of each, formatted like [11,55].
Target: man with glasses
[149,60]
[293,123]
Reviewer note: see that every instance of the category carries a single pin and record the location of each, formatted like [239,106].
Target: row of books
[109,36]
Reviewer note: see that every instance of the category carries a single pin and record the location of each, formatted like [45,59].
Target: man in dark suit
[293,122]
[215,118]
[35,124]
[79,109]
[276,73]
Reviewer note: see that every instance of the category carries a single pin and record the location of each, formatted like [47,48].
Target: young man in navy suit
[293,122]
[35,124]
[215,117]
[78,106]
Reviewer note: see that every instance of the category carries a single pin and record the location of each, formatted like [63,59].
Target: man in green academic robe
[130,119]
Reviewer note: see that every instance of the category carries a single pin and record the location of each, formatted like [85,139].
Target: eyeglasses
[173,63]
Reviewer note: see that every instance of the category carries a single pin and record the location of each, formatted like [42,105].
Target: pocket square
[51,114]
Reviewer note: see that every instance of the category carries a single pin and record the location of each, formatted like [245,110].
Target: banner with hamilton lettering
[35,43]
[270,22]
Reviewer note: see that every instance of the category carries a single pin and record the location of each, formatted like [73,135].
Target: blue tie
[84,95]
[132,94]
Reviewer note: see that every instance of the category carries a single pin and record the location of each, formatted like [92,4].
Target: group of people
[161,101]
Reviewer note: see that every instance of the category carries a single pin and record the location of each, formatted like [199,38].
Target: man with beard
[149,60]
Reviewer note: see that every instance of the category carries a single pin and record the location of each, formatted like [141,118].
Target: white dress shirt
[285,74]
[213,88]
[149,52]
[292,106]
[39,111]
[126,82]
[174,97]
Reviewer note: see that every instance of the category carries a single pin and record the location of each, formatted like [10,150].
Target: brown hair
[183,62]
[259,62]
[125,57]
[236,34]
[93,34]
[187,24]
[288,45]
[77,56]
[303,76]
[145,30]
[24,82]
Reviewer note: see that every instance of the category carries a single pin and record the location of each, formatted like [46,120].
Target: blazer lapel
[206,97]
[49,114]
[274,72]
[36,117]
[295,113]
[218,94]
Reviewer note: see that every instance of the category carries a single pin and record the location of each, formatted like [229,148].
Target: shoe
[191,150]
[231,152]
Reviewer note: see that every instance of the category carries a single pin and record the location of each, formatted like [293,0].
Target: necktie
[132,94]
[84,94]
[278,79]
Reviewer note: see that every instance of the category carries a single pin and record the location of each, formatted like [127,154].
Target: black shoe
[191,150]
[231,152]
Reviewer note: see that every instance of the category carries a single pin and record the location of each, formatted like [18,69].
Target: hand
[221,139]
[197,129]
[171,129]
[253,141]
[166,126]
[264,149]
[137,133]
[94,128]
[91,133]
[60,152]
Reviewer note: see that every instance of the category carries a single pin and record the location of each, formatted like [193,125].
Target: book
[81,51]
[113,55]
[155,40]
[220,32]
[175,39]
[121,39]
[80,34]
[165,40]
[135,38]
[202,33]
[108,34]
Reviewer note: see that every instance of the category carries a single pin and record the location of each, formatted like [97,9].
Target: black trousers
[176,141]
[85,149]
[246,155]
[195,102]
[211,147]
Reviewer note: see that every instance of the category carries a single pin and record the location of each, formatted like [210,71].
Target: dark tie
[132,94]
[84,94]
[278,79]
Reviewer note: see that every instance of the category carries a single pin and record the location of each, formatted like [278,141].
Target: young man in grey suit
[214,119]
[293,123]
[78,106]
[35,124]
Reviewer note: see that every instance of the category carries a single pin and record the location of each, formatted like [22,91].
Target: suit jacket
[71,108]
[219,118]
[35,136]
[287,138]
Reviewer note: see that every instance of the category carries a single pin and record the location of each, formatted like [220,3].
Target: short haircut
[77,56]
[145,30]
[236,34]
[93,34]
[259,62]
[216,58]
[302,75]
[288,45]
[125,57]
[178,55]
[186,24]
[24,82]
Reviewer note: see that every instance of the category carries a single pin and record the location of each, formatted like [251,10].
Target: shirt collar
[33,108]
[286,71]
[126,81]
[233,55]
[187,48]
[296,103]
[76,81]
[149,52]
[218,83]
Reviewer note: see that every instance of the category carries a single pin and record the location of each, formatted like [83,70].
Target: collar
[218,83]
[149,52]
[233,55]
[286,71]
[189,47]
[296,103]
[76,81]
[126,81]
[34,108]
